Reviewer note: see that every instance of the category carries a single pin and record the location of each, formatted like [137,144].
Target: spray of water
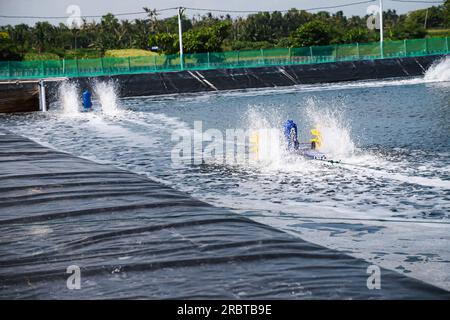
[105,97]
[68,98]
[439,71]
[105,92]
[337,142]
[266,125]
[335,131]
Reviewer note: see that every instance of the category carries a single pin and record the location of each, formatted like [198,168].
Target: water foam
[439,71]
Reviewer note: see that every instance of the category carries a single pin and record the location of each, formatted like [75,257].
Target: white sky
[100,7]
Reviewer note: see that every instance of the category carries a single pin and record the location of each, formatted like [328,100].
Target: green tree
[447,12]
[43,33]
[207,39]
[141,34]
[355,35]
[295,18]
[21,36]
[166,42]
[434,17]
[409,30]
[257,27]
[109,29]
[8,51]
[314,33]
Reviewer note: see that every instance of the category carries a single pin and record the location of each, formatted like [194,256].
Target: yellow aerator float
[316,141]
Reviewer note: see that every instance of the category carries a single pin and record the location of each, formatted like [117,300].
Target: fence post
[154,62]
[405,47]
[209,61]
[290,55]
[64,66]
[129,64]
[42,100]
[357,50]
[238,53]
[262,55]
[311,53]
[446,42]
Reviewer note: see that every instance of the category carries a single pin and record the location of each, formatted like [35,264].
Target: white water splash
[270,149]
[105,92]
[337,142]
[68,98]
[335,131]
[439,71]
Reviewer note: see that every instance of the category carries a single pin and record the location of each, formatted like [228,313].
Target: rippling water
[388,202]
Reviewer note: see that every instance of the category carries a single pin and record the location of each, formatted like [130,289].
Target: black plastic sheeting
[157,83]
[135,238]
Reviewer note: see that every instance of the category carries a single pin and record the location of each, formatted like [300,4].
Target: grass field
[125,53]
[31,56]
[438,32]
[88,54]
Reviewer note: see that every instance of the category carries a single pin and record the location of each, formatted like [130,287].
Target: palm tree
[43,34]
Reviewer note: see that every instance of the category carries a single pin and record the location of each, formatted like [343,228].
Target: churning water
[439,71]
[387,202]
[104,94]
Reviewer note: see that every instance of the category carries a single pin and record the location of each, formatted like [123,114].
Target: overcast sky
[100,7]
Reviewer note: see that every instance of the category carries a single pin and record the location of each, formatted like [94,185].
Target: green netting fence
[230,59]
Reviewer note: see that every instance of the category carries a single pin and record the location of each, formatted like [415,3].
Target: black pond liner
[135,238]
[160,83]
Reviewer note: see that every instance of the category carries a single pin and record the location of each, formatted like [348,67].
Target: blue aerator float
[87,102]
